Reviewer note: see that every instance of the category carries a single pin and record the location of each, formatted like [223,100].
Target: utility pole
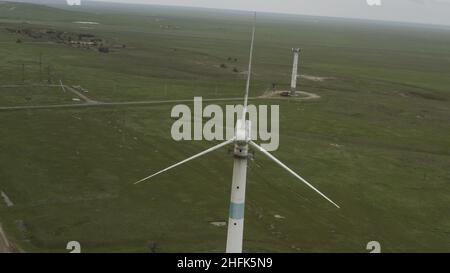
[23,73]
[48,75]
[40,67]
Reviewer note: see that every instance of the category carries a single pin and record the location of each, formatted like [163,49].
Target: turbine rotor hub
[241,150]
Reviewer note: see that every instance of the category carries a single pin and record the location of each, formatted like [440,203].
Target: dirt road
[5,247]
[300,95]
[105,104]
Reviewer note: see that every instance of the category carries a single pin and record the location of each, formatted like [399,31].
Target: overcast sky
[422,11]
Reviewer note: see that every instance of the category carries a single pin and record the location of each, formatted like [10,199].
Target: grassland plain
[376,142]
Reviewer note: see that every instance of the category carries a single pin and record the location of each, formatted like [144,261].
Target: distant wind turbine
[241,142]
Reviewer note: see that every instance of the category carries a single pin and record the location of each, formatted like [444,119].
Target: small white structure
[296,52]
[73,2]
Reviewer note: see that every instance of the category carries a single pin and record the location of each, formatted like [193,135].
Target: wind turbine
[241,141]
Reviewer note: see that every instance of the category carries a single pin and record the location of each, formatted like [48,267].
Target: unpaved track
[28,85]
[64,88]
[5,247]
[105,104]
[93,103]
[277,95]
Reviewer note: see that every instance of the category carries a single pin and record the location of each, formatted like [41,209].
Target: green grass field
[377,142]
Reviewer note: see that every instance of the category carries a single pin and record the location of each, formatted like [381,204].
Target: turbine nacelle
[242,138]
[243,131]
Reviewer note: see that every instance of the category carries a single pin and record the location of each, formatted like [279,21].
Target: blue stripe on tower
[237,211]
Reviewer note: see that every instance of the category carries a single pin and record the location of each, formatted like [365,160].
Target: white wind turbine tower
[296,52]
[241,141]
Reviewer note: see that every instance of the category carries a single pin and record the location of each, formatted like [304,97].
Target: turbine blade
[188,159]
[247,87]
[262,150]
